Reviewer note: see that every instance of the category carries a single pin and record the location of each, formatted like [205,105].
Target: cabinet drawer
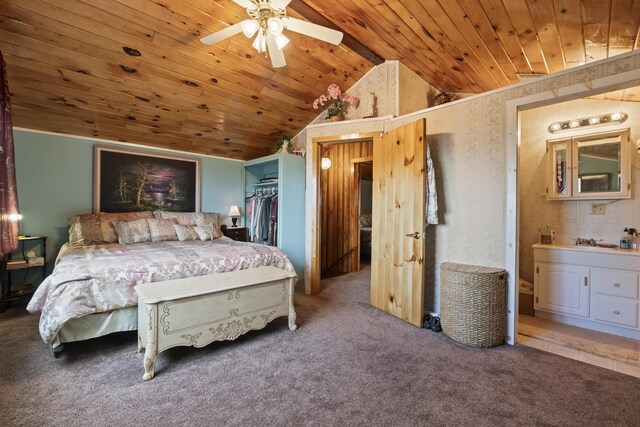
[616,283]
[616,310]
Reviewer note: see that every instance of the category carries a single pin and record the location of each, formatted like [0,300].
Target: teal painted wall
[55,181]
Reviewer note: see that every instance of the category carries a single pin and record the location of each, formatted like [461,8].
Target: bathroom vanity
[590,287]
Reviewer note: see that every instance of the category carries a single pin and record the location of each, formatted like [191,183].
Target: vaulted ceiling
[135,71]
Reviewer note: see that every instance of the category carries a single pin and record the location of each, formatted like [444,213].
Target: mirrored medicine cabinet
[594,166]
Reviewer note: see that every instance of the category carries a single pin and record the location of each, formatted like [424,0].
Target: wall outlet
[598,209]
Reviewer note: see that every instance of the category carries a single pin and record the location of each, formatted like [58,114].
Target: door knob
[415,235]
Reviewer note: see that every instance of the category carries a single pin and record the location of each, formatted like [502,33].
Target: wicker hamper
[473,304]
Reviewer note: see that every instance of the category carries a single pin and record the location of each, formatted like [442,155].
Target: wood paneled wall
[337,209]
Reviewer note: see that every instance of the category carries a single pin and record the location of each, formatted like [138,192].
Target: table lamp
[234,213]
[16,217]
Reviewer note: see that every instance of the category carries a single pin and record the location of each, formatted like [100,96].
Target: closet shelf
[266,184]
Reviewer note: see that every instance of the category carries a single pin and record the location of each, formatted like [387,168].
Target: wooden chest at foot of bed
[199,310]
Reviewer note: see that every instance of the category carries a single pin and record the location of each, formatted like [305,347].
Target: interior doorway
[363,182]
[340,205]
[556,208]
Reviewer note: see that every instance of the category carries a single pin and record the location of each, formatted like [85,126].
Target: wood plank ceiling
[135,71]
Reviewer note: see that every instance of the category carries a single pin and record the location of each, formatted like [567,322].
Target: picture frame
[127,180]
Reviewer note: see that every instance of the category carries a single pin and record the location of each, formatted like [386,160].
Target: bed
[90,292]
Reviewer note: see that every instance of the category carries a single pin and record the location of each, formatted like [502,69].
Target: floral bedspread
[93,279]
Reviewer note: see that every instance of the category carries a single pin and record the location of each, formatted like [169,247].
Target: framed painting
[127,180]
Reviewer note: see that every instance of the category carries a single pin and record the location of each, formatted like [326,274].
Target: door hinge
[547,190]
[536,300]
[537,270]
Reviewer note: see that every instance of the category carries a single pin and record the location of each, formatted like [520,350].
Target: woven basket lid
[474,269]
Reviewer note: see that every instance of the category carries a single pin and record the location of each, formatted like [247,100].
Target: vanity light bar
[602,119]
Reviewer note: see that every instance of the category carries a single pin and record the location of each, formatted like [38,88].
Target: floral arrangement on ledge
[283,144]
[444,97]
[337,102]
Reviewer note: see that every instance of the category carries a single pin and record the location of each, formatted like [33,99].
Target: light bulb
[616,116]
[18,217]
[275,25]
[325,163]
[594,120]
[281,40]
[574,123]
[555,126]
[249,27]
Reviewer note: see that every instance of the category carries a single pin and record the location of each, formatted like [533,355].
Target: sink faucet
[580,241]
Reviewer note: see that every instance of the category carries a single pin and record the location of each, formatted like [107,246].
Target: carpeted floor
[347,364]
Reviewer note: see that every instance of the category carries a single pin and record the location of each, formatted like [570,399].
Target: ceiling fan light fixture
[260,43]
[275,26]
[281,40]
[250,27]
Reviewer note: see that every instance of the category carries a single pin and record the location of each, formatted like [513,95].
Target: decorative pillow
[134,231]
[185,232]
[211,218]
[162,229]
[97,229]
[365,220]
[183,218]
[109,234]
[85,230]
[205,232]
[194,218]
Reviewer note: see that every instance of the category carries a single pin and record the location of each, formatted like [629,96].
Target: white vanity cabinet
[595,288]
[563,288]
[616,297]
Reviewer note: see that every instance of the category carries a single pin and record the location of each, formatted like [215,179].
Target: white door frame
[512,214]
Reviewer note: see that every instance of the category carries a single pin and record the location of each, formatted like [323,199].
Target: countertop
[589,249]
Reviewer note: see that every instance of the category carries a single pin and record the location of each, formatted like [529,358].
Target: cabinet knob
[617,285]
[616,312]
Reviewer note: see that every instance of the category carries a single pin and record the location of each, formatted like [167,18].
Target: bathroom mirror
[594,166]
[599,163]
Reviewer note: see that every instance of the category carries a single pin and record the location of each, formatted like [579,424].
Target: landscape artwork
[127,181]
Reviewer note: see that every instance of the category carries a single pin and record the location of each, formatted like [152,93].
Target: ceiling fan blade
[280,4]
[313,30]
[277,56]
[214,38]
[247,4]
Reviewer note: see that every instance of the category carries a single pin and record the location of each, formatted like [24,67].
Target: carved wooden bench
[199,310]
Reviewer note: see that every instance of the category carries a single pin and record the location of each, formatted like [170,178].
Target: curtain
[8,190]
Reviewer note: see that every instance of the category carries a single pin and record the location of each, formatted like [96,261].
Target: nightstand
[236,233]
[13,291]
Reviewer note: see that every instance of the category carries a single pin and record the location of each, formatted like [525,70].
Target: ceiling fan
[269,19]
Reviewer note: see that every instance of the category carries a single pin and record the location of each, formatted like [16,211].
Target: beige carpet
[347,364]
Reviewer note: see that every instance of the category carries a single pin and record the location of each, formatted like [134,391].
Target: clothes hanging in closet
[262,210]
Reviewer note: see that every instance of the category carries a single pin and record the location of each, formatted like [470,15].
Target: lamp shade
[234,211]
[325,163]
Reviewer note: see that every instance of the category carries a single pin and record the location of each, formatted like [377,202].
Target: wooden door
[397,253]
